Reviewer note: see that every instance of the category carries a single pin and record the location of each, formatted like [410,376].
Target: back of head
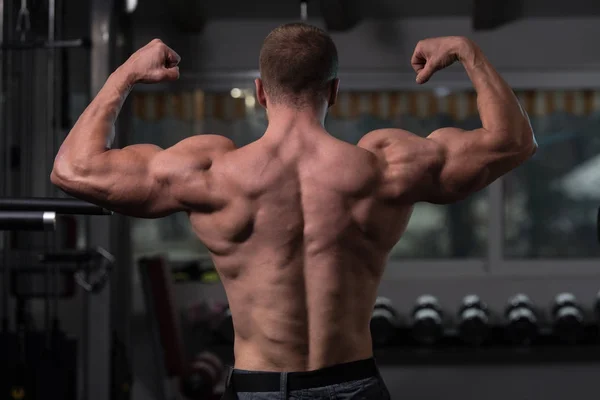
[298,63]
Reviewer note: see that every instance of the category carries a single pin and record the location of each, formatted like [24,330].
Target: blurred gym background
[512,273]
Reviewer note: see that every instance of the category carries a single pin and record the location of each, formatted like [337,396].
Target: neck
[282,117]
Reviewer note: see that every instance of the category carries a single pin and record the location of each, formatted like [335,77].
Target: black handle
[27,221]
[57,205]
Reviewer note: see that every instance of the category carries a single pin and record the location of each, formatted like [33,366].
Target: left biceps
[126,180]
[140,184]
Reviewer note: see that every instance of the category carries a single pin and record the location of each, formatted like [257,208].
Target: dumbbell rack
[519,335]
[403,347]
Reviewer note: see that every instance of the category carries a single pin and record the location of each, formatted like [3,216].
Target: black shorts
[354,380]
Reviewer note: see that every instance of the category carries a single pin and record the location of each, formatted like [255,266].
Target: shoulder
[381,138]
[407,161]
[396,142]
[207,142]
[195,152]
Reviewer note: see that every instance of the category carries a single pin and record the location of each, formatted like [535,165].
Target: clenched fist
[153,63]
[434,54]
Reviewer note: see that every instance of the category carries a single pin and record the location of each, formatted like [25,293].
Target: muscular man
[298,223]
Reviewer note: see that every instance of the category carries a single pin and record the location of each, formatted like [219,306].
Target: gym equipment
[473,320]
[163,322]
[225,326]
[567,319]
[57,205]
[384,322]
[521,320]
[95,266]
[30,121]
[27,221]
[203,375]
[48,369]
[427,320]
[23,28]
[41,362]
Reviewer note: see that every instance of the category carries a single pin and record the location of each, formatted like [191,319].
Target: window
[457,231]
[551,201]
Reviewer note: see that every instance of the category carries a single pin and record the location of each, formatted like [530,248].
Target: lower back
[302,316]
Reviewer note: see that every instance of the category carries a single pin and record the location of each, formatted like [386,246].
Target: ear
[333,93]
[260,93]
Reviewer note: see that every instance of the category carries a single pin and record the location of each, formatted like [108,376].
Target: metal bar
[58,205]
[27,221]
[4,184]
[5,282]
[98,319]
[50,92]
[47,44]
[5,137]
[50,145]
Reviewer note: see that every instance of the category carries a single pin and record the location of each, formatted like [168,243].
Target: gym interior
[493,297]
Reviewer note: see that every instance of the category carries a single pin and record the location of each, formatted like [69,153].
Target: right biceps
[472,160]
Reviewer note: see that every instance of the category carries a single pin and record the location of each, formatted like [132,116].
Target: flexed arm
[140,180]
[452,163]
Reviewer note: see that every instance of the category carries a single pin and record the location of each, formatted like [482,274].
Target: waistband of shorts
[334,375]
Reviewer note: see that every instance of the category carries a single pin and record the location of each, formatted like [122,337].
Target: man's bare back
[299,224]
[300,245]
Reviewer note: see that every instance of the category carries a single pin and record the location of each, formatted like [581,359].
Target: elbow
[66,175]
[523,143]
[530,145]
[533,149]
[525,150]
[61,175]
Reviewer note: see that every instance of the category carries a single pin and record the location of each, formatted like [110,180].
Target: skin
[298,223]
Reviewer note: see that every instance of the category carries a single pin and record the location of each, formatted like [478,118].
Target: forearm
[94,131]
[499,109]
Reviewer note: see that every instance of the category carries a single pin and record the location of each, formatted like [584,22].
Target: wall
[545,47]
[529,53]
[542,44]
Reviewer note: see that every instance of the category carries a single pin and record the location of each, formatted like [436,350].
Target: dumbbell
[473,320]
[224,327]
[201,377]
[567,318]
[427,320]
[384,322]
[521,320]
